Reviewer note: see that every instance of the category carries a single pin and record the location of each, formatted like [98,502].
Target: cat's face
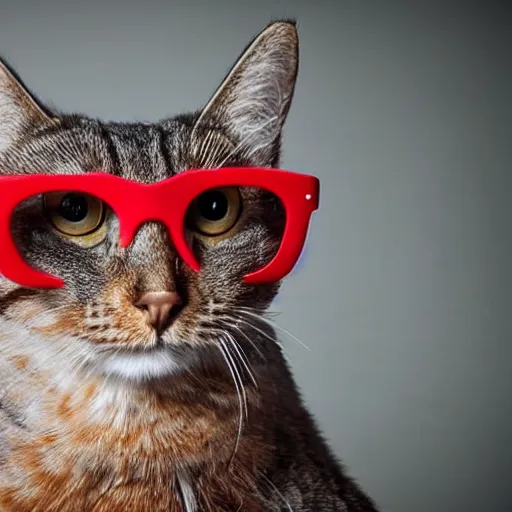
[96,314]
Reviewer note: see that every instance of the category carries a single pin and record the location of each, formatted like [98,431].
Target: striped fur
[98,412]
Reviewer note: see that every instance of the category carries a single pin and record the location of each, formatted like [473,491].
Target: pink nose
[158,306]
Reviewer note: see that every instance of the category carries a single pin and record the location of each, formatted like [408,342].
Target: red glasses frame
[167,202]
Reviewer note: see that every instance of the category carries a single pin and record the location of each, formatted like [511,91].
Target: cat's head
[98,316]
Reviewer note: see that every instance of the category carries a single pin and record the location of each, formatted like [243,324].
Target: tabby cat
[142,385]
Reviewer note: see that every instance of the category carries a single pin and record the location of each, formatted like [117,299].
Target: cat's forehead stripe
[145,153]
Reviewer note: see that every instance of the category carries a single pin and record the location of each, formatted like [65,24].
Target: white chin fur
[143,365]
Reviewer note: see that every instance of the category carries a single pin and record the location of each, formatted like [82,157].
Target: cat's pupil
[73,207]
[213,205]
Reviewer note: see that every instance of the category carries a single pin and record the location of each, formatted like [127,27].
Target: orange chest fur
[42,486]
[134,465]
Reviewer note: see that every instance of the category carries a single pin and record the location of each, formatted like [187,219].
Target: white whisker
[277,491]
[283,350]
[242,356]
[237,319]
[262,332]
[239,394]
[273,324]
[237,372]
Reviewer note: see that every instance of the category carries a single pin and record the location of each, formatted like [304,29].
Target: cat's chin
[142,366]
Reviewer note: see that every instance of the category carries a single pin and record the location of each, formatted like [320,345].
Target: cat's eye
[215,211]
[74,214]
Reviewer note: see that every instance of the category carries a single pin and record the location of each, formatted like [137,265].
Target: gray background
[404,294]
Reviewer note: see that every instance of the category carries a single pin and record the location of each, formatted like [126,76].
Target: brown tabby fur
[98,410]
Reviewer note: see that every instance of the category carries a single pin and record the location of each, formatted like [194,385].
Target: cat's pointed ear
[252,102]
[19,110]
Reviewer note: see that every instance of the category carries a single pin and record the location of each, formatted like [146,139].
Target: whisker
[282,348]
[240,402]
[266,335]
[275,325]
[272,485]
[237,372]
[239,352]
[229,317]
[260,312]
[242,357]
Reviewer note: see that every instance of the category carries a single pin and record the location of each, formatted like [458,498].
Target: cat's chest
[33,480]
[104,449]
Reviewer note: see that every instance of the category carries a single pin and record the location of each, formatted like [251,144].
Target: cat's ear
[19,110]
[252,102]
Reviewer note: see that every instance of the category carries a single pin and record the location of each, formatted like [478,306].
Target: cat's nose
[159,306]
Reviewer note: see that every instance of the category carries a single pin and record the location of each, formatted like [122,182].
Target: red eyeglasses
[167,202]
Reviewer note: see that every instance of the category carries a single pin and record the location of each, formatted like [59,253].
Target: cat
[142,385]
